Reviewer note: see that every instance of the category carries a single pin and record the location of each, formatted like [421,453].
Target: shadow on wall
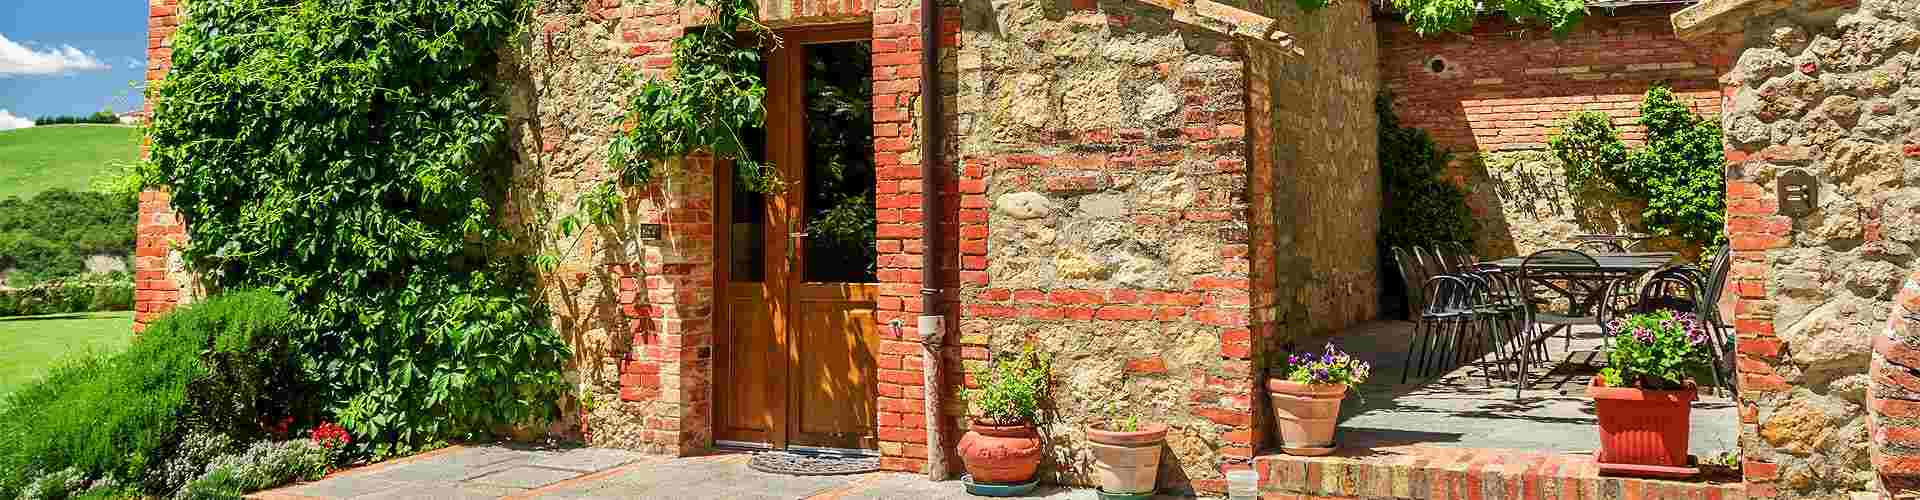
[1525,204]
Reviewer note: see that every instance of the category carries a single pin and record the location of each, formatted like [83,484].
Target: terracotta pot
[1642,427]
[1127,462]
[1004,454]
[1305,413]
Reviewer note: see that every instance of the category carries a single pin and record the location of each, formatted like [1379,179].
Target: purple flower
[1642,334]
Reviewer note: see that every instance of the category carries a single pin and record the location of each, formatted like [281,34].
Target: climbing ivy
[1434,16]
[715,92]
[1680,172]
[349,155]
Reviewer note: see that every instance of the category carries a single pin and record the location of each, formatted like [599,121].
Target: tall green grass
[118,415]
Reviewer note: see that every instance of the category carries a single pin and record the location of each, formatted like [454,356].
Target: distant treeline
[106,117]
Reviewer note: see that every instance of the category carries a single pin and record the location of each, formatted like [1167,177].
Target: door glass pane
[748,243]
[839,187]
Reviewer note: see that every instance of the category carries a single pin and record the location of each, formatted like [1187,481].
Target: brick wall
[1494,95]
[160,280]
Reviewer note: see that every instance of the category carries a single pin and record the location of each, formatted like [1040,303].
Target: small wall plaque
[1799,193]
[649,231]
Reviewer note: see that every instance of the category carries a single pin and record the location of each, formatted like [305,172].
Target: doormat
[812,464]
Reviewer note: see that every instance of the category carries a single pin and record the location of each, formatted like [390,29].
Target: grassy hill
[66,156]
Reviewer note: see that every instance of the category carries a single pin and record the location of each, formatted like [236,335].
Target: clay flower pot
[1643,432]
[1002,454]
[1127,462]
[1305,415]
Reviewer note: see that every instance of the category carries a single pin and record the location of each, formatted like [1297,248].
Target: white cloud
[17,59]
[10,122]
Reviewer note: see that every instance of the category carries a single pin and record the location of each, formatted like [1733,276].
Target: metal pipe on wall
[932,322]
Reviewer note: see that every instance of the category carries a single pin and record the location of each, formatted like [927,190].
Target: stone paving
[1459,410]
[482,472]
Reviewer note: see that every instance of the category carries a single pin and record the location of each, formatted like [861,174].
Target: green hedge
[103,293]
[218,367]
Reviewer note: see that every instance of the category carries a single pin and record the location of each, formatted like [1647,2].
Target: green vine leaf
[714,93]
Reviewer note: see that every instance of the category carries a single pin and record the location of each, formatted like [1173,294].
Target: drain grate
[812,464]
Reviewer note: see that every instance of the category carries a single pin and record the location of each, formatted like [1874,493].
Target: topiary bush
[352,157]
[120,416]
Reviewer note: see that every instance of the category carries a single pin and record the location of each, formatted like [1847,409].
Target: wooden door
[796,346]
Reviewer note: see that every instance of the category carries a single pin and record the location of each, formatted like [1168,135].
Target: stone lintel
[1711,18]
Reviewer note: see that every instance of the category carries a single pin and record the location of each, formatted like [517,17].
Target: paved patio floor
[480,472]
[1458,409]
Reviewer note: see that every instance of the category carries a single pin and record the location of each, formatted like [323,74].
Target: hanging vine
[714,91]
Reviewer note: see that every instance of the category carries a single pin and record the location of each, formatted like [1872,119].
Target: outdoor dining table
[1590,281]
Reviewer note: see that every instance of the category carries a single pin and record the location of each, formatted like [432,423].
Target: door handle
[797,235]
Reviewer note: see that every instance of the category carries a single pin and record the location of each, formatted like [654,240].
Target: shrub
[1591,149]
[110,292]
[117,416]
[53,233]
[189,461]
[264,465]
[1420,208]
[106,117]
[1012,390]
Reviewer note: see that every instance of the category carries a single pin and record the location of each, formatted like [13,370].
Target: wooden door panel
[750,363]
[838,345]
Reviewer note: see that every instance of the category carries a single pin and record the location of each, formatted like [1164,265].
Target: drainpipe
[932,321]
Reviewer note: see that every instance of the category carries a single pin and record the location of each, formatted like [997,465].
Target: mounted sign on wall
[649,231]
[1798,192]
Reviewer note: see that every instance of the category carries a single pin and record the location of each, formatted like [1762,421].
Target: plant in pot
[1644,396]
[1002,448]
[1126,454]
[1306,394]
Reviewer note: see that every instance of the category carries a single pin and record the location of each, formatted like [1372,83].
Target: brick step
[1436,473]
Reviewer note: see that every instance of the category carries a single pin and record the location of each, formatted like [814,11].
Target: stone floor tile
[525,476]
[588,459]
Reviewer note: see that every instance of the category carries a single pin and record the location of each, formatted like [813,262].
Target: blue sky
[71,56]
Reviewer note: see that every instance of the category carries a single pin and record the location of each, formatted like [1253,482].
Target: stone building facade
[1159,194]
[1827,92]
[1494,95]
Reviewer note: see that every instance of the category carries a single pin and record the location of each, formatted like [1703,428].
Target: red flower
[330,435]
[280,429]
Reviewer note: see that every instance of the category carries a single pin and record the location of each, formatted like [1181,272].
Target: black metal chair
[1600,247]
[1445,313]
[1568,278]
[1414,277]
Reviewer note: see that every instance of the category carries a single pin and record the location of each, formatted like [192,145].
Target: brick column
[157,284]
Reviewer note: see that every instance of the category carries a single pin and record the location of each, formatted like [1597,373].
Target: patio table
[1590,281]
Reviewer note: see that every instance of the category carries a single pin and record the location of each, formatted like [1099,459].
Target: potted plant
[1643,397]
[1001,447]
[1306,395]
[1126,455]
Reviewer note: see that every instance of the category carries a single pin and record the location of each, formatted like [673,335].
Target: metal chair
[1570,275]
[1445,312]
[1414,277]
[1600,246]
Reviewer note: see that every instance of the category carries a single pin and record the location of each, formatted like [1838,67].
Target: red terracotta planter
[1002,454]
[1643,431]
[1305,414]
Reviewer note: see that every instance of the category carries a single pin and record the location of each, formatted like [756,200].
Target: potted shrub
[1643,397]
[1001,446]
[1126,456]
[1306,395]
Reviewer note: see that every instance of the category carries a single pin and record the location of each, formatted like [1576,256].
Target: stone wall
[1493,95]
[1113,147]
[1828,88]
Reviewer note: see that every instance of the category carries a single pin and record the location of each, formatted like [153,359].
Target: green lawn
[29,345]
[66,156]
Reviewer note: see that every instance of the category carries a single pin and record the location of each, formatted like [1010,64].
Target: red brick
[1124,313]
[1146,366]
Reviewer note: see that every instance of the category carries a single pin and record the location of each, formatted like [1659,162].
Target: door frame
[783,103]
